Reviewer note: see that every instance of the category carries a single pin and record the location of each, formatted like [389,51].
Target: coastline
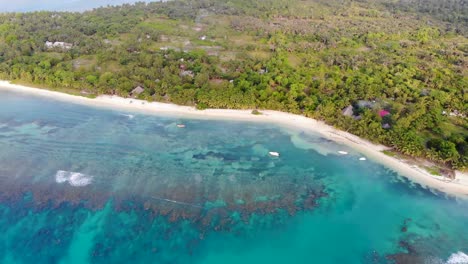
[457,187]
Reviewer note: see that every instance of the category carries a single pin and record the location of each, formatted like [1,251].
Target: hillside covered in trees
[395,72]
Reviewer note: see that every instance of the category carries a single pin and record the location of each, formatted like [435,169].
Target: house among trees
[457,113]
[137,91]
[184,72]
[386,126]
[386,120]
[348,111]
[365,104]
[57,44]
[383,113]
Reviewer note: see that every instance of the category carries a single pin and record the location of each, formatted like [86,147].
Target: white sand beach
[457,187]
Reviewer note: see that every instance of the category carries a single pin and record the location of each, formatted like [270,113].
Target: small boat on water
[180,125]
[343,152]
[274,154]
[362,159]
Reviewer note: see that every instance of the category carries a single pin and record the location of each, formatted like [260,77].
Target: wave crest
[458,258]
[75,179]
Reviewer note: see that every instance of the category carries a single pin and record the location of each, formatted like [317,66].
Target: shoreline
[457,187]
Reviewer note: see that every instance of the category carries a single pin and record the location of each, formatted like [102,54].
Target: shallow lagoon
[87,185]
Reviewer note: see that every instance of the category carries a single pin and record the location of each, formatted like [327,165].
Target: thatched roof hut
[137,91]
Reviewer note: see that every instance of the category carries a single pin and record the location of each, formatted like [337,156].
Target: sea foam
[128,115]
[75,179]
[458,258]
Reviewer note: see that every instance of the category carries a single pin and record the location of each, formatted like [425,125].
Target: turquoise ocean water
[87,185]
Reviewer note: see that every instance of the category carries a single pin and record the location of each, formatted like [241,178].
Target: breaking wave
[75,179]
[128,115]
[458,258]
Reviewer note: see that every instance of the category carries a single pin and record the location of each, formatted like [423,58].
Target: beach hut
[137,91]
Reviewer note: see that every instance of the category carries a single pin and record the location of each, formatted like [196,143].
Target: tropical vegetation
[399,67]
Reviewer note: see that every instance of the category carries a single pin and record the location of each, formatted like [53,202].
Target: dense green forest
[399,68]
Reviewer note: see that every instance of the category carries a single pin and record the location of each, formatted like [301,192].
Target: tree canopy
[310,57]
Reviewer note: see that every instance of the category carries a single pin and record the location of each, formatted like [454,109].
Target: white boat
[362,158]
[274,154]
[343,152]
[181,125]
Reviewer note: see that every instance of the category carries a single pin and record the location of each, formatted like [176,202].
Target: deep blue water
[85,185]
